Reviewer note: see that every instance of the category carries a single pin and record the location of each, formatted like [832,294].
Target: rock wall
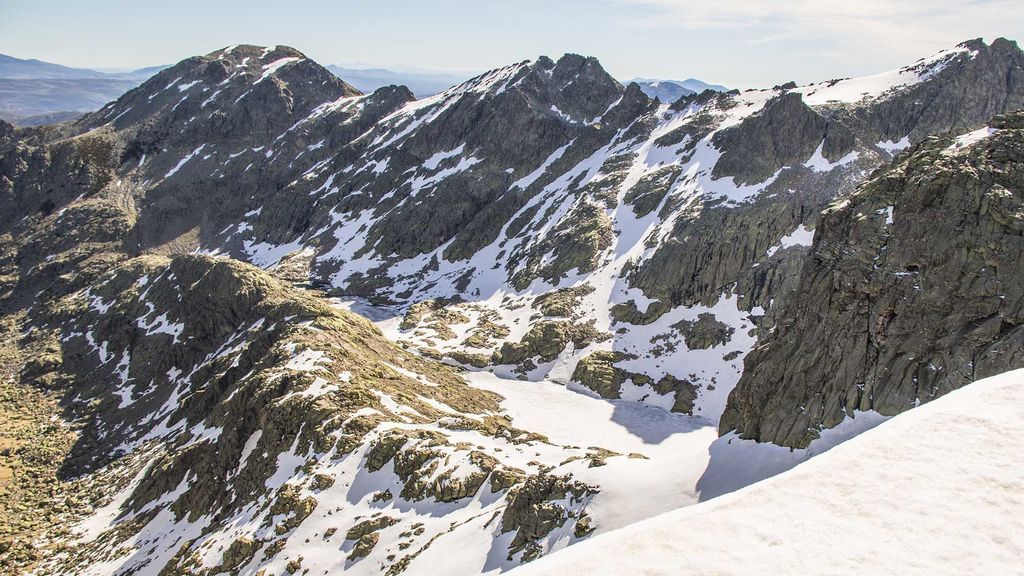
[912,289]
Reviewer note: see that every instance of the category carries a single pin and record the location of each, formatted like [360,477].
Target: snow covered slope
[937,490]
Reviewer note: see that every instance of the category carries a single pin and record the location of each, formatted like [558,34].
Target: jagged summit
[999,44]
[575,85]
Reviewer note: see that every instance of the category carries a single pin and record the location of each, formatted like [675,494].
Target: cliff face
[912,289]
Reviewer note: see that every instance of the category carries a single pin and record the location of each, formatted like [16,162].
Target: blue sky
[741,43]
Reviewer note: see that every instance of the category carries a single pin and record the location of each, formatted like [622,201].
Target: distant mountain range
[669,91]
[422,84]
[33,92]
[12,68]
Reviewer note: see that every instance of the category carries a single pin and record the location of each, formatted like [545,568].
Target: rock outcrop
[912,289]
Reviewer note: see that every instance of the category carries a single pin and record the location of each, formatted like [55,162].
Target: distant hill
[422,84]
[21,98]
[33,92]
[17,68]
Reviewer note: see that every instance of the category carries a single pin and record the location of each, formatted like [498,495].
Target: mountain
[874,511]
[664,90]
[22,100]
[422,84]
[669,91]
[34,92]
[569,290]
[699,85]
[17,68]
[141,74]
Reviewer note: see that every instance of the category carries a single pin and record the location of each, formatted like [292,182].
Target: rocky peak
[245,78]
[579,86]
[999,45]
[6,129]
[575,88]
[634,102]
[389,97]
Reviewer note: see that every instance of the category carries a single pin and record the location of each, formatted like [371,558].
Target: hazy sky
[740,43]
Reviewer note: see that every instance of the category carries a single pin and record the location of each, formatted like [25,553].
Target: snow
[308,360]
[819,163]
[267,255]
[893,147]
[270,69]
[160,325]
[852,90]
[971,138]
[936,490]
[250,445]
[432,162]
[801,236]
[182,162]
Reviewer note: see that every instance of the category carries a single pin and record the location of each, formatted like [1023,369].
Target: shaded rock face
[709,250]
[911,290]
[784,132]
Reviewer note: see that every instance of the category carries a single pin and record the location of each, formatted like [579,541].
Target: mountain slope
[911,290]
[931,491]
[226,413]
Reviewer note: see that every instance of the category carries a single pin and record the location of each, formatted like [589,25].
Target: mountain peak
[262,53]
[199,88]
